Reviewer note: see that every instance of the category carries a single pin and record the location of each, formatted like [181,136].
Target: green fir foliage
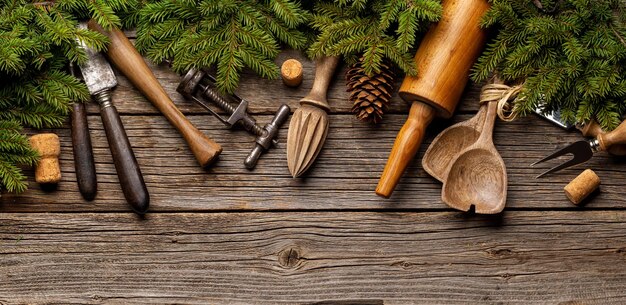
[36,42]
[226,34]
[570,54]
[374,29]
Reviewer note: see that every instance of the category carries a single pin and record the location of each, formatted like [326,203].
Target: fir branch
[373,30]
[570,54]
[228,35]
[37,40]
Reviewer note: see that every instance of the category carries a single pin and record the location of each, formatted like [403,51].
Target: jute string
[504,95]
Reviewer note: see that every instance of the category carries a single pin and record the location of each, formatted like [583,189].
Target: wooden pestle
[125,57]
[444,60]
[48,170]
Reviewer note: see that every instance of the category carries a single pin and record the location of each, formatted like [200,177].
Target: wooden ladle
[450,142]
[478,175]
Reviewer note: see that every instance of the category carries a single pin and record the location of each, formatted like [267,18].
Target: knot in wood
[289,258]
[499,253]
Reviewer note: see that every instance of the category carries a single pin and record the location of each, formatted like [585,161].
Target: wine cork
[291,71]
[48,170]
[582,186]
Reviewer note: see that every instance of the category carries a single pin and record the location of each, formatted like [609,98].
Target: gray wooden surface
[227,235]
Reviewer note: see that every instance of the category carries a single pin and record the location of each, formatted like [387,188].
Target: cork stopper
[291,71]
[48,170]
[583,185]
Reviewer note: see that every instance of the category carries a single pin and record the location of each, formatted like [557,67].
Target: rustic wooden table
[229,235]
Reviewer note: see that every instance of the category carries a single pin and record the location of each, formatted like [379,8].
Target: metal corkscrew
[199,87]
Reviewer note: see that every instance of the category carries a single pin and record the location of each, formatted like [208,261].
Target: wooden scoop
[478,175]
[450,142]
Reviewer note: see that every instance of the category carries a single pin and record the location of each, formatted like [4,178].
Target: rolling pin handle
[405,147]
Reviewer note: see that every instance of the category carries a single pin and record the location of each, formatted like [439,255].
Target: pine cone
[370,95]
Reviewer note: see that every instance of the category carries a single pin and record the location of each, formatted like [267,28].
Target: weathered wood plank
[344,176]
[295,258]
[264,95]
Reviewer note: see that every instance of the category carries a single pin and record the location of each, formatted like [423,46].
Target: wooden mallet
[125,57]
[444,60]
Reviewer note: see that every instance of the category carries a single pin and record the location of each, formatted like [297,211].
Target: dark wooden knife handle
[83,153]
[131,180]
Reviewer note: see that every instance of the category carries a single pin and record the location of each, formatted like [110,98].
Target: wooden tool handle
[592,129]
[615,137]
[125,57]
[446,55]
[405,147]
[324,70]
[83,153]
[126,166]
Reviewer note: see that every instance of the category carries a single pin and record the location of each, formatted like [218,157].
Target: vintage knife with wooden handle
[125,57]
[100,79]
[83,153]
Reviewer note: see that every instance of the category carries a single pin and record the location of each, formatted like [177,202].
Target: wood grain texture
[343,177]
[227,235]
[300,258]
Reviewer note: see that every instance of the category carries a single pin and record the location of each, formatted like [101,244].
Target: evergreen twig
[36,42]
[570,54]
[373,29]
[226,34]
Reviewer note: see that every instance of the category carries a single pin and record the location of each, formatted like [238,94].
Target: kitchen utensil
[584,150]
[443,60]
[450,142]
[100,79]
[477,175]
[83,153]
[592,129]
[199,87]
[125,57]
[554,117]
[309,123]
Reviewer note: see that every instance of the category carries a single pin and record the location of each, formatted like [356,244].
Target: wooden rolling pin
[444,60]
[125,57]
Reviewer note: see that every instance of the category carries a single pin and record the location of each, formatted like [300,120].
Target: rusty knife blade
[97,71]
